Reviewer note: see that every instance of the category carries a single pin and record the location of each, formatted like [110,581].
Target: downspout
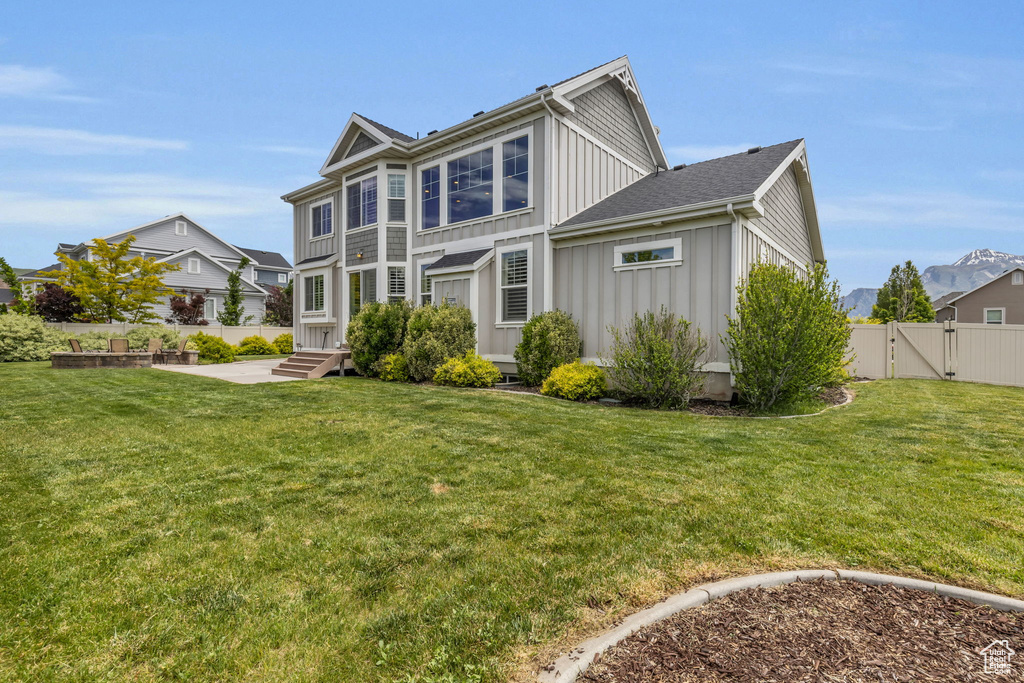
[549,199]
[734,246]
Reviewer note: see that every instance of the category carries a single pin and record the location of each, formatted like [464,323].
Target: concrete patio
[242,372]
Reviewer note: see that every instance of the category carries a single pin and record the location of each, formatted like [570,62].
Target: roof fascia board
[995,279]
[718,206]
[319,187]
[798,160]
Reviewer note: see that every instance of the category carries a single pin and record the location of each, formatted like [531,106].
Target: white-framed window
[193,266]
[210,308]
[648,254]
[514,284]
[180,228]
[396,197]
[515,173]
[995,316]
[282,278]
[396,283]
[313,298]
[321,219]
[431,197]
[1017,278]
[426,296]
[361,198]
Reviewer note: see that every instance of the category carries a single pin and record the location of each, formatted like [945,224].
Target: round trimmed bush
[27,337]
[467,371]
[575,381]
[394,368]
[435,334]
[213,349]
[549,339]
[256,345]
[376,331]
[284,343]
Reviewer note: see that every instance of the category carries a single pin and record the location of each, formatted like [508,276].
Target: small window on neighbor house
[515,305]
[1018,277]
[396,197]
[322,220]
[180,228]
[282,278]
[396,283]
[193,266]
[210,308]
[993,316]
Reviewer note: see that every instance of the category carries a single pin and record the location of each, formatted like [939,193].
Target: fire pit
[68,360]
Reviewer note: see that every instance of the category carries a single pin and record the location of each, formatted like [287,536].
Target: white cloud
[693,153]
[60,141]
[933,210]
[289,149]
[36,82]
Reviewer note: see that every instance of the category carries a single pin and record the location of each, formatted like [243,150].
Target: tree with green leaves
[279,305]
[110,286]
[21,304]
[903,298]
[233,309]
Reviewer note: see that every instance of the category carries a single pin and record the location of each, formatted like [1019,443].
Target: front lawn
[162,526]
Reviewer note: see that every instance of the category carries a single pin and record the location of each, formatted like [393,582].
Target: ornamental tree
[111,286]
[57,305]
[233,309]
[188,308]
[903,298]
[279,305]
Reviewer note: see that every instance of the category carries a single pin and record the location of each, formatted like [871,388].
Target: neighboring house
[205,260]
[997,302]
[560,199]
[943,311]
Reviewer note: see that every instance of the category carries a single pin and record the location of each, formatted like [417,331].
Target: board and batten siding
[605,113]
[311,335]
[588,287]
[784,219]
[497,338]
[324,246]
[489,225]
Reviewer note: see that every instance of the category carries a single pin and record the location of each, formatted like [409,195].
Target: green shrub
[394,368]
[469,370]
[549,339]
[95,340]
[213,349]
[138,337]
[284,343]
[575,381]
[376,331]
[655,360]
[27,337]
[789,336]
[256,345]
[435,334]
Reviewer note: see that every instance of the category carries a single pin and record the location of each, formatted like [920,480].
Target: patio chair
[117,345]
[75,346]
[155,345]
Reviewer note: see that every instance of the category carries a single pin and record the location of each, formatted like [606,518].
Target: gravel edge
[566,668]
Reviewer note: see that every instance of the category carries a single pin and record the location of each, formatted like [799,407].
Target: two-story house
[205,261]
[562,199]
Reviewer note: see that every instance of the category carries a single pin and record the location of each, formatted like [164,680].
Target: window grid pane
[515,163]
[470,186]
[368,196]
[396,186]
[352,197]
[431,208]
[514,291]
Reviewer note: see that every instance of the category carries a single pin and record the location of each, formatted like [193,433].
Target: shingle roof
[270,259]
[38,273]
[943,300]
[462,258]
[314,259]
[389,131]
[731,176]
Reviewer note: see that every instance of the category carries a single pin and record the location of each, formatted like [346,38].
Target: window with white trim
[362,203]
[426,296]
[1017,278]
[210,308]
[471,186]
[994,316]
[193,266]
[648,254]
[355,301]
[282,278]
[313,293]
[321,219]
[396,283]
[180,228]
[515,157]
[431,199]
[514,284]
[396,197]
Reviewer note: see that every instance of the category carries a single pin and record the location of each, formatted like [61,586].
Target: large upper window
[322,220]
[471,186]
[515,274]
[396,197]
[362,203]
[515,155]
[313,298]
[431,197]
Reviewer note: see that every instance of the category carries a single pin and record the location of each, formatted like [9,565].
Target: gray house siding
[396,240]
[161,237]
[210,275]
[605,113]
[999,293]
[269,277]
[362,242]
[784,219]
[305,246]
[596,295]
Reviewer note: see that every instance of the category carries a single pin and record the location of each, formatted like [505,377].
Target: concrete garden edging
[566,668]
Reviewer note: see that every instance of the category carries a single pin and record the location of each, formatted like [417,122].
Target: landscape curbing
[566,668]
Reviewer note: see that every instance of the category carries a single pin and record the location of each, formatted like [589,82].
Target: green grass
[161,526]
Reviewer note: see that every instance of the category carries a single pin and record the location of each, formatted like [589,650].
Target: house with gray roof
[205,261]
[1000,301]
[563,198]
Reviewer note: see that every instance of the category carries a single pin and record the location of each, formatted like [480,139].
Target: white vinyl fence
[231,335]
[965,352]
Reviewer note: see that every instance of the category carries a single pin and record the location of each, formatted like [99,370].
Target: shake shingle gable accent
[736,175]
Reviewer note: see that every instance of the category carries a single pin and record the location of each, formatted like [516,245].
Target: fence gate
[922,350]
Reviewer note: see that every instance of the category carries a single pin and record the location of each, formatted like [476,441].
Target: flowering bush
[576,382]
[468,371]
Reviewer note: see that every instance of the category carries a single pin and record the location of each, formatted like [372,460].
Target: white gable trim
[177,216]
[797,159]
[359,122]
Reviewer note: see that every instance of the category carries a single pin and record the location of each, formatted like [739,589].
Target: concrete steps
[311,364]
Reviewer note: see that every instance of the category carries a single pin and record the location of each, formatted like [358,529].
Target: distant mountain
[970,271]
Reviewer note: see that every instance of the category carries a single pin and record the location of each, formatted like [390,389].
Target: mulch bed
[817,631]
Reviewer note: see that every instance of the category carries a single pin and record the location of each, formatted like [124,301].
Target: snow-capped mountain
[987,256]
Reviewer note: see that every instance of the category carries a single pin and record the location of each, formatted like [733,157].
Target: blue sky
[112,115]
